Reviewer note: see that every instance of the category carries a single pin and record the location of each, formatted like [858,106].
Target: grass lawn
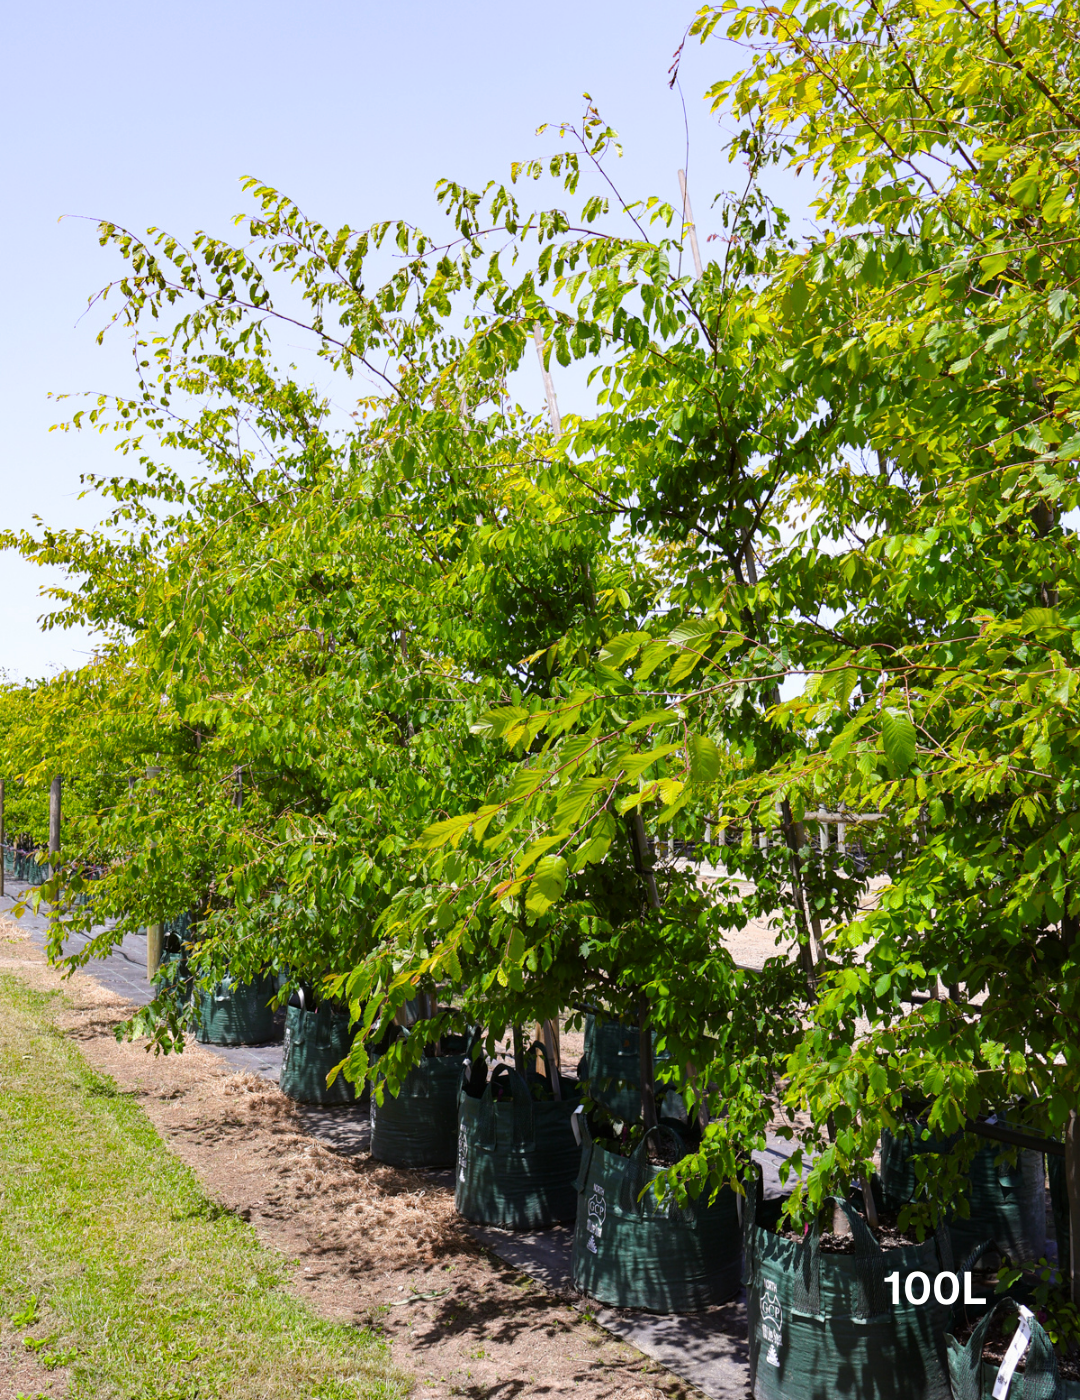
[118,1274]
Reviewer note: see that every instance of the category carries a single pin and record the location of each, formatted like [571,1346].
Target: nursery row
[853,1299]
[407,693]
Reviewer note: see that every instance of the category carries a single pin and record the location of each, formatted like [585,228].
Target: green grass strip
[114,1262]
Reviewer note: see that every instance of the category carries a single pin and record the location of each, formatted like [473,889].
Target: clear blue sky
[151,113]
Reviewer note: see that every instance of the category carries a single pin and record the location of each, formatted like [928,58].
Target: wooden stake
[3,851]
[549,1035]
[155,933]
[54,823]
[645,1064]
[688,222]
[155,948]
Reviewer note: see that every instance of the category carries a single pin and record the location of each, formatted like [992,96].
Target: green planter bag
[238,1013]
[824,1326]
[418,1128]
[612,1066]
[517,1158]
[315,1041]
[1008,1204]
[646,1253]
[973,1378]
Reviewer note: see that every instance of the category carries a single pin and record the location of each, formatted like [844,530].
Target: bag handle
[522,1138]
[960,1312]
[869,1271]
[634,1177]
[584,1139]
[538,1046]
[1041,1362]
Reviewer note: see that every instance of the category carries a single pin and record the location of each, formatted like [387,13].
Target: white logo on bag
[772,1322]
[462,1151]
[596,1216]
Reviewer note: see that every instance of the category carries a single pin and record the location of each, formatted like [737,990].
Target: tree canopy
[413,673]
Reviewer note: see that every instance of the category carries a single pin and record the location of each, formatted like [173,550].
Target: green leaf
[704,759]
[547,885]
[1042,621]
[498,721]
[995,263]
[448,832]
[620,649]
[898,739]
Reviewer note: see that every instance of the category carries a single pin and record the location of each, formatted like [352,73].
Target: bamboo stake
[688,223]
[549,385]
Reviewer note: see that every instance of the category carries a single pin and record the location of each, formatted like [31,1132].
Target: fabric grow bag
[612,1066]
[315,1041]
[973,1378]
[238,1013]
[1008,1204]
[517,1158]
[645,1253]
[824,1327]
[418,1126]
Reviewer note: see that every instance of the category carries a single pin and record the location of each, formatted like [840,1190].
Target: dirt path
[370,1243]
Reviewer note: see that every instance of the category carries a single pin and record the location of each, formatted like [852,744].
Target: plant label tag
[1016,1349]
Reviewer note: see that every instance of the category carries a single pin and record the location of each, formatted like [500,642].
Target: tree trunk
[1072,1187]
[645,1064]
[643,865]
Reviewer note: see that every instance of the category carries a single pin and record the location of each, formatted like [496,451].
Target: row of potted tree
[425,683]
